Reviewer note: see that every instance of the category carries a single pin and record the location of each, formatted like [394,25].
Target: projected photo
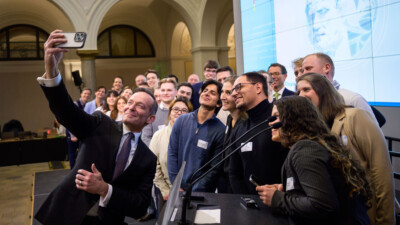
[361,36]
[334,32]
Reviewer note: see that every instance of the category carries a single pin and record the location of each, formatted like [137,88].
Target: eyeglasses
[239,86]
[176,110]
[211,70]
[275,74]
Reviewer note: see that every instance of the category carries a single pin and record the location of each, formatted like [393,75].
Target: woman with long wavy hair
[359,132]
[321,183]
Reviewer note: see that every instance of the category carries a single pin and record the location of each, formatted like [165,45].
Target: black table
[23,151]
[232,211]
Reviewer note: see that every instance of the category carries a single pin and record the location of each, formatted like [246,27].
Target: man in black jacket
[114,170]
[261,156]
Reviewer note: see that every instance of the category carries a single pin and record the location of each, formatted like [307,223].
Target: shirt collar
[162,106]
[280,91]
[125,131]
[336,84]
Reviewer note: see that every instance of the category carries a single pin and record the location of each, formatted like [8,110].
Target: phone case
[74,40]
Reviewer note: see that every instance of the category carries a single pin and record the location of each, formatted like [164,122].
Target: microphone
[188,193]
[268,120]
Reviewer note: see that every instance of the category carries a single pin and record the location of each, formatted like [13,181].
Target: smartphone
[253,179]
[74,40]
[248,202]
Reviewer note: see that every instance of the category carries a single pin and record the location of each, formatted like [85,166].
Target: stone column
[200,56]
[88,67]
[223,58]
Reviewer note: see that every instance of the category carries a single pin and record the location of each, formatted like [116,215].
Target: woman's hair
[105,106]
[242,114]
[179,99]
[114,112]
[301,120]
[331,103]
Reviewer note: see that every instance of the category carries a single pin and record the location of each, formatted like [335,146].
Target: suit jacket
[100,138]
[287,92]
[314,191]
[195,95]
[358,131]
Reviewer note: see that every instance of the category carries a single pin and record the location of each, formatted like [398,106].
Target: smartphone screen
[253,179]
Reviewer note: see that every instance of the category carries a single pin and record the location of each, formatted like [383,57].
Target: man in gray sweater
[168,92]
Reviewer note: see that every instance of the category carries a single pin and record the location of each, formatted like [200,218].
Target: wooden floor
[16,184]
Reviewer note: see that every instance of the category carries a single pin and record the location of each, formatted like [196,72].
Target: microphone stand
[188,192]
[268,120]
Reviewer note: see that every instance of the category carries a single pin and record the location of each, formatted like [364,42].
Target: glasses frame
[177,110]
[275,74]
[238,86]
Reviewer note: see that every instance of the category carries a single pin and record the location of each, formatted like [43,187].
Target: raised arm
[61,104]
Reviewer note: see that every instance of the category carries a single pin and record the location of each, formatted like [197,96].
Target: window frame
[135,31]
[38,30]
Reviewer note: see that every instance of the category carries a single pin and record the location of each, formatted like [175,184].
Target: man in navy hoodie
[196,137]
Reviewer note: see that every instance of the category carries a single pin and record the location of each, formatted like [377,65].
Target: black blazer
[314,191]
[287,92]
[100,138]
[195,95]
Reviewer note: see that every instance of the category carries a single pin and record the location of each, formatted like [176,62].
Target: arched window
[124,41]
[18,42]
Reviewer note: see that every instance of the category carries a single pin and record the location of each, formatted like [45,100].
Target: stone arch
[181,57]
[181,40]
[42,14]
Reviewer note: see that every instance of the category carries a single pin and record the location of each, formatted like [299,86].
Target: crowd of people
[325,160]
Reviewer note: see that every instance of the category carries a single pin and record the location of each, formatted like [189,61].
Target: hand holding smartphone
[74,40]
[253,179]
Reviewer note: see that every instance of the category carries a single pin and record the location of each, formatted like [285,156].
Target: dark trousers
[72,148]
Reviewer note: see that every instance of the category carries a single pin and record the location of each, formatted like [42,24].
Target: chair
[396,175]
[13,126]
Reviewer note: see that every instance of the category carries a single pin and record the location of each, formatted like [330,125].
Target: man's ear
[327,68]
[259,88]
[150,119]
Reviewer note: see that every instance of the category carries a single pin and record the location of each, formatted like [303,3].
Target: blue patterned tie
[123,156]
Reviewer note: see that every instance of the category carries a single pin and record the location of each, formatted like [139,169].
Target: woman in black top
[321,183]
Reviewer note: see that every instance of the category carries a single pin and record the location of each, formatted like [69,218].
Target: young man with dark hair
[196,137]
[210,73]
[118,83]
[224,72]
[152,78]
[173,77]
[185,90]
[260,157]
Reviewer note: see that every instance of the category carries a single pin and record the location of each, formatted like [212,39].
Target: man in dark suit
[210,73]
[114,170]
[278,74]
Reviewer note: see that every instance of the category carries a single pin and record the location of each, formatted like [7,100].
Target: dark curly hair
[301,120]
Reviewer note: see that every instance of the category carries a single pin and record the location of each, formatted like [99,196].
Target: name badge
[248,147]
[202,144]
[344,140]
[161,127]
[289,184]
